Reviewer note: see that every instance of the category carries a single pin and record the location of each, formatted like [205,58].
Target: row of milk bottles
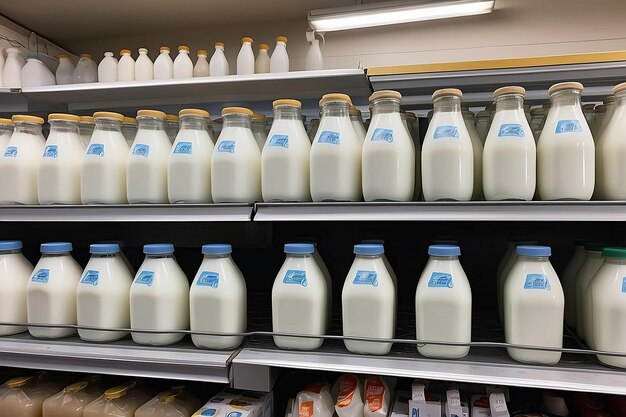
[104,295]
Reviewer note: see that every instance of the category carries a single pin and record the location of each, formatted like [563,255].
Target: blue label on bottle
[328,136]
[567,126]
[366,278]
[442,132]
[279,140]
[511,129]
[51,151]
[90,277]
[10,152]
[234,414]
[145,278]
[42,275]
[183,148]
[208,279]
[209,412]
[536,282]
[382,135]
[141,149]
[440,280]
[96,149]
[295,276]
[226,146]
[624,285]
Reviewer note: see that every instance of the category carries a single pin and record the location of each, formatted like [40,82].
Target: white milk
[315,401]
[611,152]
[65,70]
[163,65]
[388,168]
[568,282]
[102,296]
[336,153]
[146,173]
[129,130]
[159,297]
[482,125]
[412,125]
[107,68]
[236,161]
[15,270]
[218,299]
[300,299]
[509,157]
[262,62]
[245,58]
[6,131]
[19,164]
[368,301]
[477,152]
[280,59]
[11,73]
[591,264]
[103,172]
[144,68]
[51,291]
[285,158]
[533,307]
[126,66]
[565,151]
[86,127]
[258,130]
[172,126]
[218,65]
[189,161]
[183,67]
[357,123]
[447,153]
[201,69]
[443,304]
[59,167]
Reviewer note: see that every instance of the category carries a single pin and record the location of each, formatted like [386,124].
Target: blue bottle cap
[444,250]
[369,249]
[217,249]
[7,245]
[56,247]
[533,250]
[104,248]
[158,249]
[299,248]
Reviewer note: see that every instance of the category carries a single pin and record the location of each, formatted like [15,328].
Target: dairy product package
[73,399]
[239,403]
[401,404]
[348,390]
[315,401]
[423,405]
[377,391]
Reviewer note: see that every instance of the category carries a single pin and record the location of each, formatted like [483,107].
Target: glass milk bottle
[51,291]
[65,70]
[388,169]
[588,112]
[15,270]
[103,174]
[591,264]
[159,297]
[569,282]
[144,68]
[262,63]
[258,129]
[163,65]
[565,151]
[236,160]
[218,65]
[285,156]
[129,130]
[172,126]
[245,58]
[146,174]
[59,167]
[6,131]
[102,296]
[533,307]
[611,151]
[357,123]
[509,157]
[183,67]
[126,66]
[336,153]
[477,152]
[300,299]
[19,164]
[107,68]
[447,153]
[201,69]
[189,161]
[443,304]
[218,300]
[85,130]
[599,112]
[280,60]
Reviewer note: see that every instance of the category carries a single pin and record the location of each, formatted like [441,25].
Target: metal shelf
[11,101]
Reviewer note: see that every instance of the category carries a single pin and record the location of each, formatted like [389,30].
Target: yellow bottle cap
[63,116]
[125,51]
[108,115]
[116,392]
[5,121]
[164,48]
[570,85]
[286,102]
[335,97]
[193,112]
[86,119]
[183,48]
[172,118]
[509,90]
[85,56]
[27,118]
[129,121]
[385,94]
[150,113]
[447,92]
[281,39]
[237,110]
[246,39]
[78,386]
[19,381]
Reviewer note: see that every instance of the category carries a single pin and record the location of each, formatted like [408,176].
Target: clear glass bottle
[262,63]
[258,129]
[357,123]
[172,125]
[611,151]
[86,126]
[6,130]
[129,130]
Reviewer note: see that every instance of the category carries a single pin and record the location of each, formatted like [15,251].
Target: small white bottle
[280,59]
[86,70]
[533,307]
[159,297]
[172,126]
[163,65]
[218,65]
[86,127]
[183,67]
[51,291]
[129,130]
[107,68]
[144,68]
[245,58]
[569,282]
[314,59]
[262,63]
[258,129]
[126,66]
[65,70]
[11,73]
[15,270]
[218,301]
[611,151]
[201,69]
[300,299]
[6,131]
[591,264]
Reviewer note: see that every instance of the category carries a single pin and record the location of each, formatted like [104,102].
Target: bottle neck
[447,104]
[28,128]
[108,125]
[620,98]
[384,106]
[336,109]
[10,252]
[103,255]
[258,126]
[615,261]
[510,102]
[55,255]
[237,120]
[6,129]
[299,255]
[287,113]
[160,256]
[220,256]
[59,126]
[593,254]
[533,258]
[369,257]
[151,123]
[193,123]
[444,258]
[566,98]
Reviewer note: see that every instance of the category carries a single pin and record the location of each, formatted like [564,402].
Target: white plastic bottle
[172,126]
[533,307]
[236,160]
[159,297]
[285,157]
[258,129]
[102,296]
[300,299]
[51,291]
[262,63]
[245,58]
[146,172]
[336,153]
[569,282]
[447,153]
[129,130]
[163,65]
[86,126]
[144,68]
[477,151]
[218,301]
[126,66]
[15,270]
[280,59]
[591,264]
[313,59]
[611,151]
[388,169]
[86,70]
[6,131]
[65,70]
[189,161]
[103,172]
[107,68]
[368,302]
[11,73]
[19,164]
[357,123]
[201,69]
[218,65]
[183,67]
[35,73]
[509,157]
[565,151]
[59,167]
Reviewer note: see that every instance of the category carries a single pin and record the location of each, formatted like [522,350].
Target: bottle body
[15,271]
[280,59]
[64,71]
[245,59]
[201,69]
[218,65]
[163,66]
[590,266]
[183,67]
[611,154]
[35,73]
[313,59]
[86,71]
[262,63]
[107,69]
[11,73]
[126,67]
[144,68]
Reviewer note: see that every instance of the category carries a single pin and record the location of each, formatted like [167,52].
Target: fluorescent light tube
[394,12]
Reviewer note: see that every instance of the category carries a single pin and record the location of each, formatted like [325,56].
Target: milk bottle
[12,68]
[129,130]
[189,162]
[103,174]
[280,60]
[336,153]
[258,130]
[59,167]
[172,126]
[159,297]
[166,404]
[15,270]
[120,401]
[102,294]
[144,68]
[314,59]
[477,152]
[609,105]
[218,299]
[24,396]
[6,130]
[588,112]
[183,67]
[201,69]
[569,282]
[85,130]
[565,151]
[537,120]
[126,66]
[245,58]
[611,151]
[285,157]
[300,299]
[509,157]
[443,304]
[533,307]
[65,70]
[447,153]
[163,65]
[218,65]
[482,125]
[51,291]
[591,264]
[368,301]
[236,161]
[72,400]
[262,63]
[19,163]
[388,169]
[107,68]
[357,123]
[146,173]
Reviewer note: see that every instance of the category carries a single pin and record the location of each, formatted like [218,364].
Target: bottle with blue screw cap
[14,275]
